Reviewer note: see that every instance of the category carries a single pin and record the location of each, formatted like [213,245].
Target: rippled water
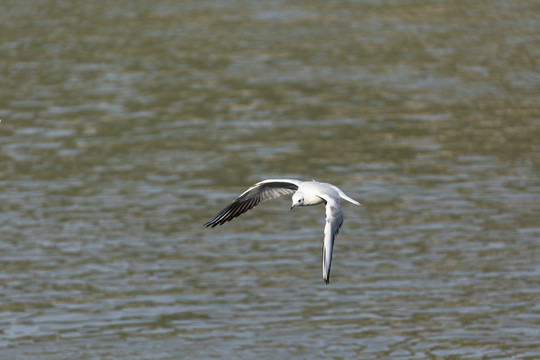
[126,125]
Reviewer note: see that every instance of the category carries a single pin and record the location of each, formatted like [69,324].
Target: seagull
[305,193]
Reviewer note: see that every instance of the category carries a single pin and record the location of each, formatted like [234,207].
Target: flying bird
[305,193]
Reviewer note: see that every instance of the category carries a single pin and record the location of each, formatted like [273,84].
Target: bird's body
[305,193]
[313,190]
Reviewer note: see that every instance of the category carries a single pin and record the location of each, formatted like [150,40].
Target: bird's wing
[264,190]
[334,220]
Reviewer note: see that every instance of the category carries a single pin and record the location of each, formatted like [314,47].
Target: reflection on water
[127,125]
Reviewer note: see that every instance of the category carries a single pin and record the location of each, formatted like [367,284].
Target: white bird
[306,193]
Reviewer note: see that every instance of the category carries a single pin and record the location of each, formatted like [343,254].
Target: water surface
[126,125]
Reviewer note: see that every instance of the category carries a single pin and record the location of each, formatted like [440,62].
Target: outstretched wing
[264,190]
[334,220]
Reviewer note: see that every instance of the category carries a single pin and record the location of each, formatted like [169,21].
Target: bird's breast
[315,200]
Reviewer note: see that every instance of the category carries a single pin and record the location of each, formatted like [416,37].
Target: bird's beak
[292,206]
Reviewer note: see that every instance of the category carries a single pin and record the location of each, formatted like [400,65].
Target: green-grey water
[128,124]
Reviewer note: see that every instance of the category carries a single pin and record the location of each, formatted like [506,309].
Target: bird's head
[297,199]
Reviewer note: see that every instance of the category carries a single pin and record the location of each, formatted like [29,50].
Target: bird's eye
[298,200]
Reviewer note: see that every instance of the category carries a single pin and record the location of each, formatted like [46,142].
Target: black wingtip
[209,224]
[326,281]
